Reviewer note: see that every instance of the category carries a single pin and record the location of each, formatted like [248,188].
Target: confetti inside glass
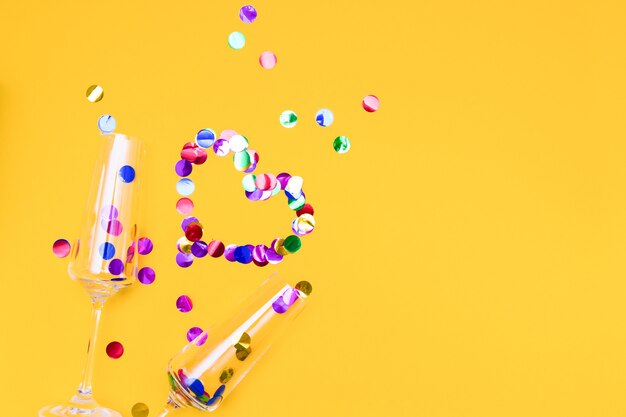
[185,187]
[184,304]
[236,40]
[140,410]
[144,246]
[146,275]
[116,267]
[106,250]
[324,117]
[183,168]
[371,103]
[112,227]
[184,206]
[94,93]
[109,212]
[61,248]
[115,350]
[268,60]
[341,144]
[288,119]
[127,173]
[247,14]
[107,123]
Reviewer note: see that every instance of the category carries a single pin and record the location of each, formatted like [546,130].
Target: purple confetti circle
[183,168]
[184,260]
[116,267]
[199,249]
[146,275]
[144,246]
[194,332]
[247,14]
[184,304]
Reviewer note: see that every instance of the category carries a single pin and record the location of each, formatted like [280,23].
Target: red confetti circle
[115,350]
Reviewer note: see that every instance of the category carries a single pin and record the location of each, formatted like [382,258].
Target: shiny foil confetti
[194,232]
[127,173]
[205,138]
[199,249]
[242,347]
[194,332]
[324,117]
[107,123]
[226,375]
[247,14]
[288,119]
[112,227]
[184,260]
[140,410]
[267,60]
[144,246]
[370,103]
[236,40]
[116,267]
[184,304]
[115,350]
[185,187]
[184,206]
[292,244]
[61,248]
[238,143]
[183,168]
[94,93]
[106,250]
[341,144]
[305,288]
[146,275]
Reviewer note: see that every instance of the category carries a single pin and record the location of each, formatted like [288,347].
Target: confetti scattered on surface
[193,333]
[61,248]
[236,40]
[305,288]
[288,119]
[115,350]
[268,60]
[247,14]
[107,123]
[127,173]
[146,275]
[292,244]
[184,304]
[205,138]
[94,93]
[371,103]
[185,187]
[324,117]
[184,206]
[184,260]
[183,168]
[144,246]
[341,144]
[140,410]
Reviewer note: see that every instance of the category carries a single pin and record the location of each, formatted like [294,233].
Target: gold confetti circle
[140,410]
[95,93]
[305,288]
[242,347]
[226,375]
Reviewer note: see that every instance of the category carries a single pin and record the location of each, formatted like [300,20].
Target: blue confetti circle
[205,138]
[107,251]
[127,173]
[243,254]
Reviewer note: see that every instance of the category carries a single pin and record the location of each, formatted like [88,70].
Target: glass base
[79,405]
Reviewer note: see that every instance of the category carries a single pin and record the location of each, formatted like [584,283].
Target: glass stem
[85,384]
[170,406]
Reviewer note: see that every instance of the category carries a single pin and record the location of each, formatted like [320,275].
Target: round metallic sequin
[259,253]
[243,254]
[194,232]
[238,143]
[288,119]
[94,93]
[187,221]
[61,248]
[127,173]
[293,189]
[140,410]
[183,168]
[308,209]
[197,335]
[221,147]
[205,138]
[305,223]
[146,275]
[107,123]
[292,244]
[324,117]
[116,267]
[115,350]
[305,288]
[144,246]
[106,250]
[248,182]
[247,14]
[236,40]
[184,245]
[229,253]
[254,195]
[184,206]
[341,144]
[242,347]
[226,375]
[296,203]
[184,260]
[109,212]
[184,304]
[112,227]
[273,257]
[199,249]
[265,182]
[371,103]
[268,60]
[283,179]
[190,151]
[241,161]
[216,248]
[185,187]
[279,247]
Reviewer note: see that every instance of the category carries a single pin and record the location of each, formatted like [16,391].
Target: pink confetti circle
[371,103]
[115,350]
[61,248]
[268,60]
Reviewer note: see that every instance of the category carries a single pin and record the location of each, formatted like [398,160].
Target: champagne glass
[103,259]
[216,361]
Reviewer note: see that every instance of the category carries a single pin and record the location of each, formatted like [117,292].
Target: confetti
[238,143]
[187,221]
[292,244]
[199,249]
[324,117]
[341,144]
[267,60]
[293,189]
[116,267]
[288,119]
[221,147]
[249,183]
[243,255]
[107,251]
[226,375]
[144,246]
[184,245]
[115,350]
[305,288]
[242,347]
[109,212]
[229,253]
[61,248]
[370,103]
[112,227]
[184,206]
[184,304]
[94,93]
[107,123]
[146,275]
[247,14]
[184,260]
[236,40]
[183,168]
[216,248]
[194,232]
[127,173]
[193,333]
[305,223]
[185,187]
[308,209]
[205,138]
[241,160]
[140,410]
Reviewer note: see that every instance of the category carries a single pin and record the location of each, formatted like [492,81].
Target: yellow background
[469,255]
